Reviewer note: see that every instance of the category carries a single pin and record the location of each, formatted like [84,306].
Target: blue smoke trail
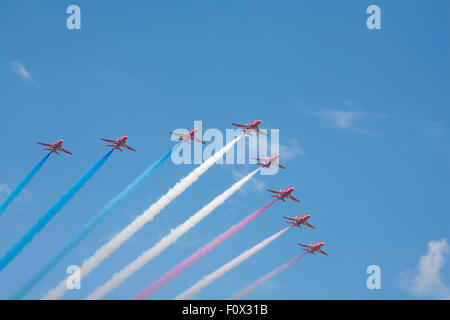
[22,184]
[17,248]
[70,245]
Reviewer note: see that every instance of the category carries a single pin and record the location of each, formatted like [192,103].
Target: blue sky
[364,113]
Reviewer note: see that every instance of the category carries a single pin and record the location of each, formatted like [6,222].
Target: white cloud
[427,279]
[4,191]
[345,120]
[20,70]
[292,149]
[257,184]
[287,151]
[432,133]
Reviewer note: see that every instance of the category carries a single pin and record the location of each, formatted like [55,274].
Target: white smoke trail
[265,278]
[107,249]
[167,240]
[227,267]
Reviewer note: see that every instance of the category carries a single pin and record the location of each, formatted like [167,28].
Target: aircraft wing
[66,151]
[279,165]
[130,148]
[293,198]
[310,225]
[108,140]
[46,144]
[260,132]
[305,245]
[322,252]
[289,218]
[178,134]
[263,162]
[198,140]
[273,191]
[246,126]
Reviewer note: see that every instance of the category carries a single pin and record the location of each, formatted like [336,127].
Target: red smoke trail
[261,280]
[153,287]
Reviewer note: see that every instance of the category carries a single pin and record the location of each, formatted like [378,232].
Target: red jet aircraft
[282,194]
[188,136]
[312,248]
[299,221]
[267,162]
[57,146]
[119,143]
[249,127]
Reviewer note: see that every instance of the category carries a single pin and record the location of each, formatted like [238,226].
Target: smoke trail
[107,249]
[167,240]
[71,244]
[267,277]
[38,226]
[22,184]
[153,287]
[227,267]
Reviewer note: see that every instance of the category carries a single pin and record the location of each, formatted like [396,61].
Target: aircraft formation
[187,137]
[115,144]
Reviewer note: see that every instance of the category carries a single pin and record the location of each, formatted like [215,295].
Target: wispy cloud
[4,191]
[433,133]
[20,70]
[287,151]
[23,198]
[257,184]
[427,279]
[345,119]
[291,150]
